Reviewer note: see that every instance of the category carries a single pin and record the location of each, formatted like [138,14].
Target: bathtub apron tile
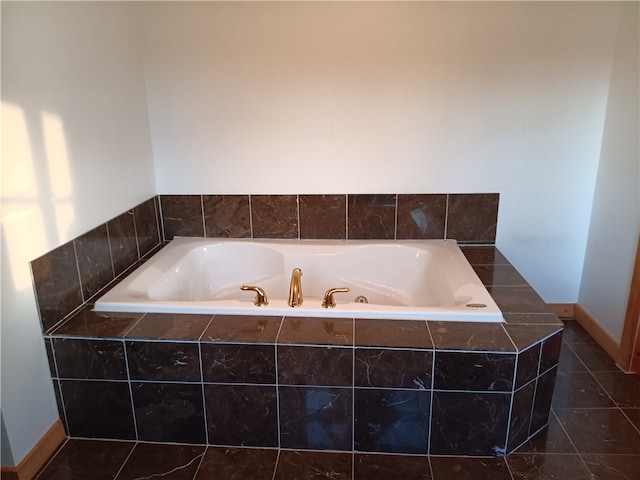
[474,371]
[394,421]
[238,363]
[242,415]
[305,365]
[468,423]
[158,361]
[318,418]
[316,331]
[542,401]
[528,364]
[98,409]
[376,367]
[170,326]
[242,328]
[88,323]
[394,333]
[521,416]
[169,412]
[97,359]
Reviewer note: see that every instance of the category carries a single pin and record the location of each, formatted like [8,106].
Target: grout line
[133,407]
[395,219]
[126,459]
[75,257]
[113,268]
[446,217]
[204,223]
[250,217]
[50,460]
[204,399]
[135,233]
[160,218]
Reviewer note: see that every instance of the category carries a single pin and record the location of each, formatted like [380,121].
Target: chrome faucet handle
[261,296]
[328,301]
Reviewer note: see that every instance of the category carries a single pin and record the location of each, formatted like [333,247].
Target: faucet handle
[328,301]
[261,296]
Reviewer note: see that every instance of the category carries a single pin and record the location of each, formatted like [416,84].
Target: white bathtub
[415,279]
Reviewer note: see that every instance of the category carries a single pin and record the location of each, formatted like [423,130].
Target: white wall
[76,151]
[379,97]
[615,219]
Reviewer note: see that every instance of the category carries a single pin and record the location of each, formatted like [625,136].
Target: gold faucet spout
[295,289]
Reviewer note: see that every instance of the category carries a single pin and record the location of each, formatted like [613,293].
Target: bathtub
[411,280]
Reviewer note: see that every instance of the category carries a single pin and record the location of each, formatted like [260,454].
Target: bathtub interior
[205,276]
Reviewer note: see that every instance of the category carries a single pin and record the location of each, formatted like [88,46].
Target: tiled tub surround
[310,383]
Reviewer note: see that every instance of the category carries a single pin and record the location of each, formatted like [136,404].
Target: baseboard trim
[38,455]
[563,310]
[606,341]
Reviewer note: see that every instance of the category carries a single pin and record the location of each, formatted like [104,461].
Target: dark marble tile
[579,390]
[146,221]
[170,326]
[238,363]
[323,216]
[274,216]
[472,218]
[181,216]
[461,468]
[521,415]
[470,336]
[575,333]
[391,420]
[633,414]
[594,357]
[518,300]
[152,460]
[316,418]
[169,412]
[98,359]
[48,345]
[542,401]
[531,319]
[551,439]
[306,365]
[242,415]
[301,465]
[528,362]
[550,352]
[569,361]
[602,430]
[547,466]
[158,361]
[473,371]
[484,255]
[123,242]
[623,388]
[98,409]
[316,330]
[375,367]
[385,467]
[57,284]
[238,464]
[241,328]
[83,459]
[499,275]
[87,323]
[469,423]
[94,260]
[524,336]
[392,333]
[371,216]
[227,216]
[421,216]
[613,467]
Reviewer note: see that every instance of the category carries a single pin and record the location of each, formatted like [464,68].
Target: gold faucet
[295,289]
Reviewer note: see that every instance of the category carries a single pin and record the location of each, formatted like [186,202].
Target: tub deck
[363,385]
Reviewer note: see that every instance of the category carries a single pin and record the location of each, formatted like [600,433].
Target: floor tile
[603,430]
[623,388]
[633,414]
[579,390]
[613,467]
[594,357]
[384,467]
[466,468]
[308,465]
[569,361]
[552,439]
[82,459]
[574,333]
[166,461]
[238,464]
[548,467]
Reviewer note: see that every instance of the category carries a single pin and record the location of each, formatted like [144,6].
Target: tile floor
[594,433]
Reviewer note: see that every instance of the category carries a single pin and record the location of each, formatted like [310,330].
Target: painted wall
[615,218]
[76,151]
[384,97]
